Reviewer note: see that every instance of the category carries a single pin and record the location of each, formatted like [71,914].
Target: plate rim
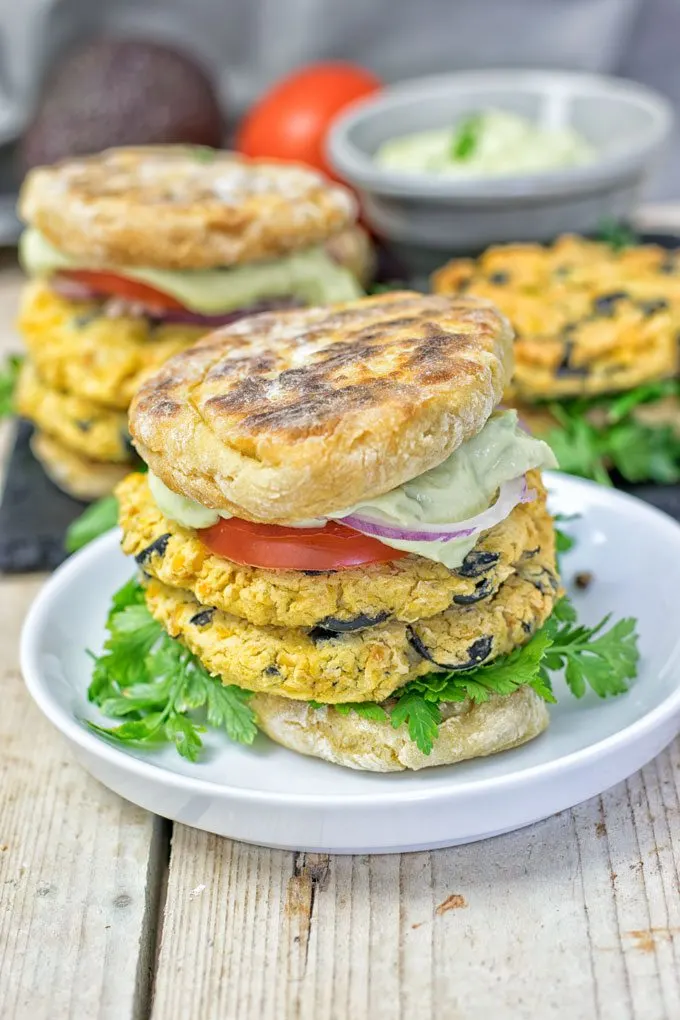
[78,734]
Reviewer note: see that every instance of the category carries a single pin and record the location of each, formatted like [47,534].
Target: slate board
[34,513]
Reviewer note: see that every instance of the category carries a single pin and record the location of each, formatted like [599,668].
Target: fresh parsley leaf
[640,453]
[605,660]
[366,709]
[422,718]
[134,732]
[603,433]
[228,708]
[99,518]
[203,153]
[466,137]
[183,733]
[564,612]
[502,676]
[386,288]
[132,634]
[616,234]
[131,594]
[576,444]
[157,685]
[9,373]
[565,518]
[621,405]
[563,541]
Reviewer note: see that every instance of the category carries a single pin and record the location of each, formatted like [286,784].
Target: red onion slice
[509,496]
[72,289]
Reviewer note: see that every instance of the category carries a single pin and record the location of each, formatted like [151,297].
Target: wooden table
[108,912]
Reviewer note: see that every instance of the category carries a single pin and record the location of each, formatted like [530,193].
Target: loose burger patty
[368,664]
[408,589]
[588,319]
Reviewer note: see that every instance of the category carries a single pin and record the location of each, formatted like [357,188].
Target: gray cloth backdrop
[250,43]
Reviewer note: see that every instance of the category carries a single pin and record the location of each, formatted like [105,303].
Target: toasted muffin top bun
[181,207]
[286,416]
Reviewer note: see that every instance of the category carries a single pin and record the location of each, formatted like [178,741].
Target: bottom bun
[468,731]
[75,475]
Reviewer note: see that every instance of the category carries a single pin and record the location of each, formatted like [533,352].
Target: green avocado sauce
[486,144]
[309,275]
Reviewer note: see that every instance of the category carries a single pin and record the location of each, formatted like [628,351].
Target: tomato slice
[332,547]
[120,286]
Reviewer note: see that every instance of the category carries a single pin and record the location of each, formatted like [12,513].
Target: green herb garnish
[421,716]
[99,518]
[9,373]
[616,234]
[163,694]
[96,520]
[158,686]
[203,153]
[605,660]
[466,137]
[366,709]
[385,288]
[615,439]
[563,541]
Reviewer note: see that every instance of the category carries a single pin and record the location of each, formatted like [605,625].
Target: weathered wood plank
[577,917]
[79,868]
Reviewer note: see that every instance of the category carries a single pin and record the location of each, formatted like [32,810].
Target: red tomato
[291,121]
[119,286]
[268,545]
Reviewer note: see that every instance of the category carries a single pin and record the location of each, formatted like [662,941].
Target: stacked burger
[339,524]
[596,353]
[134,254]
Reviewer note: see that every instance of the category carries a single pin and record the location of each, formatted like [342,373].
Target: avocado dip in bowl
[454,163]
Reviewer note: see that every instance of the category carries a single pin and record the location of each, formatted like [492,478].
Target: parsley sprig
[158,687]
[604,660]
[162,692]
[9,373]
[466,137]
[597,434]
[97,519]
[563,541]
[616,234]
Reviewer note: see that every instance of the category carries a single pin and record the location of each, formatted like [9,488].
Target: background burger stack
[343,541]
[132,255]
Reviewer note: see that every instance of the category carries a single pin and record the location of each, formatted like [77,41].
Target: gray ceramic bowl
[426,217]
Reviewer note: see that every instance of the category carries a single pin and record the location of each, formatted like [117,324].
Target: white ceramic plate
[273,797]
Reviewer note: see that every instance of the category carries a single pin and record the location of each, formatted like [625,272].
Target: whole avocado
[113,92]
